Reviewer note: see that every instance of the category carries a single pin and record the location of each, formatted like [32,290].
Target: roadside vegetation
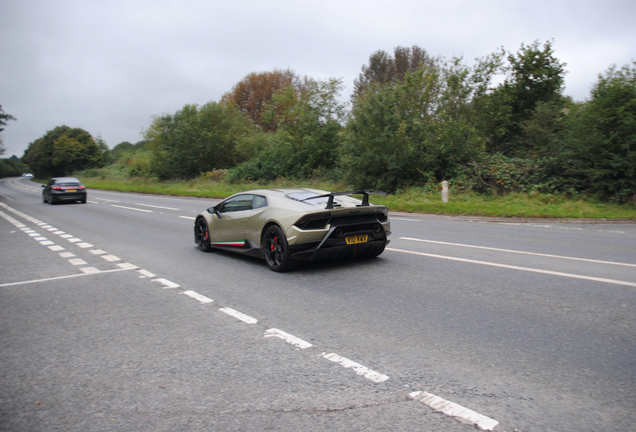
[535,205]
[500,130]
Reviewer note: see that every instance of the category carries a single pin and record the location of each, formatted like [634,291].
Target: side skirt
[243,247]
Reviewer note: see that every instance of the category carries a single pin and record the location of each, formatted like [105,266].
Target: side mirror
[215,211]
[43,186]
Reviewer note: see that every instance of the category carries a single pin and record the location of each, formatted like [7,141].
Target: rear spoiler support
[365,197]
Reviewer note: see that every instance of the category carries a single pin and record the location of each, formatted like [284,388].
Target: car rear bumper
[341,251]
[68,197]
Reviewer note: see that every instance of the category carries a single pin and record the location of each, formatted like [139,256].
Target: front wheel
[202,235]
[276,250]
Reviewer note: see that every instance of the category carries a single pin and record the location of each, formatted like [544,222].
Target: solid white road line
[358,368]
[297,342]
[56,278]
[548,272]
[452,409]
[519,252]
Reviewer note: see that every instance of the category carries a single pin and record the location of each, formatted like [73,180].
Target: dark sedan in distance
[60,189]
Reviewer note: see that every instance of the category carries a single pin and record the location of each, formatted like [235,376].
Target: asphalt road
[111,319]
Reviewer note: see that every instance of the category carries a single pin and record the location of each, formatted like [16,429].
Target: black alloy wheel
[202,235]
[276,250]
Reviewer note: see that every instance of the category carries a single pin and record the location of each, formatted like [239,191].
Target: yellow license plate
[357,239]
[71,190]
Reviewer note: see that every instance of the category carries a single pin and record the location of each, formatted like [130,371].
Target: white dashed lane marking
[238,315]
[166,283]
[132,208]
[159,207]
[290,339]
[110,258]
[203,299]
[356,367]
[452,409]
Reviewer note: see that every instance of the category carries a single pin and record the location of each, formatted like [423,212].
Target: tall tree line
[497,125]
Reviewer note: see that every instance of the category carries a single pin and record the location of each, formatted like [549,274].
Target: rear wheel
[276,250]
[202,235]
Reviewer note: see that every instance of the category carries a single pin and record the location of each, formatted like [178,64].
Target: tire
[43,199]
[276,250]
[83,201]
[202,235]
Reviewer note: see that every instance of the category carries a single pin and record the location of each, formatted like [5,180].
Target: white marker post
[444,191]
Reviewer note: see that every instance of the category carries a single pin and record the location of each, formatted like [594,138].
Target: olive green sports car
[287,226]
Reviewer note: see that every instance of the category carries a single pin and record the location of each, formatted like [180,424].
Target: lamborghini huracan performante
[287,226]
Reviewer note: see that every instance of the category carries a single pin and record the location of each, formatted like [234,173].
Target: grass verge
[412,201]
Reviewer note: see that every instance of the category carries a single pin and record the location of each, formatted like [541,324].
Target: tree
[384,69]
[306,124]
[392,138]
[62,151]
[420,129]
[534,76]
[196,140]
[12,167]
[254,92]
[602,137]
[4,118]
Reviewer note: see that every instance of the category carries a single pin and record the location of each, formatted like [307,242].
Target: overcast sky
[109,66]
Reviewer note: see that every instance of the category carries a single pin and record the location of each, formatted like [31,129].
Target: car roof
[66,179]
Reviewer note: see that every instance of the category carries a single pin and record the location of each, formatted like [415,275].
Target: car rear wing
[365,197]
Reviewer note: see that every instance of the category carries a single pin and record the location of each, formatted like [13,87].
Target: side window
[237,203]
[259,201]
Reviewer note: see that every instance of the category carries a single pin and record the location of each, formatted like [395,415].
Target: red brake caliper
[273,241]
